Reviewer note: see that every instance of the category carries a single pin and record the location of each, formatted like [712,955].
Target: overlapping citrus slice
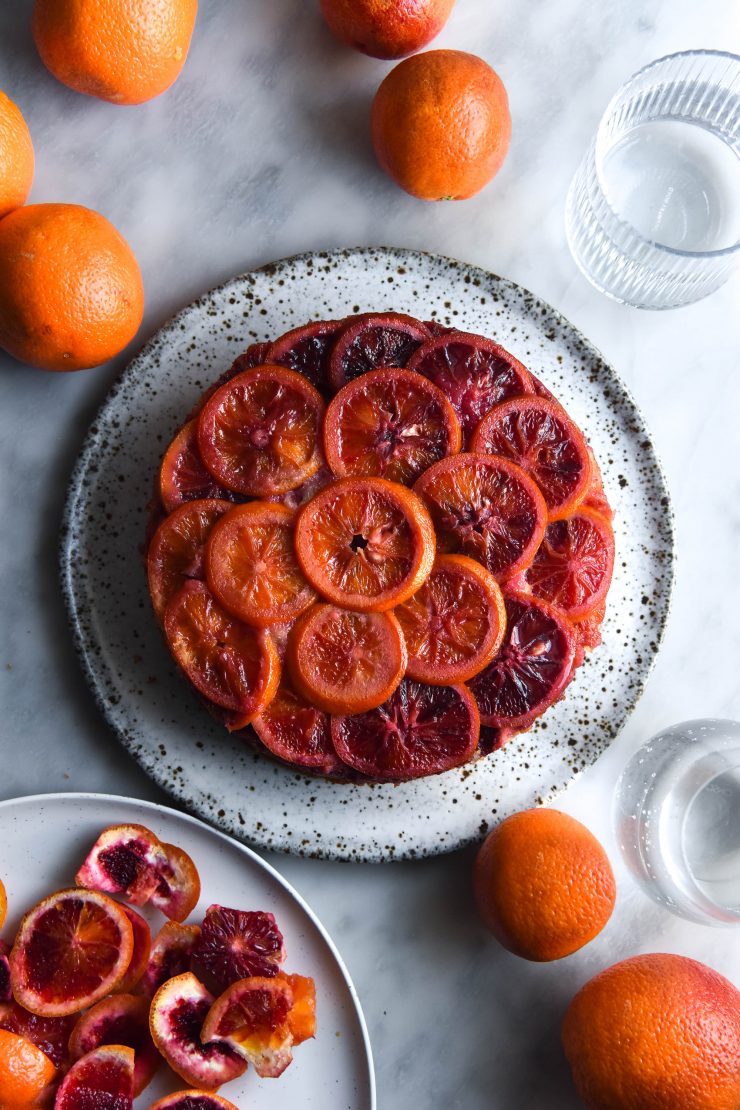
[539,436]
[573,565]
[140,955]
[369,341]
[71,949]
[533,665]
[487,508]
[231,663]
[302,1014]
[26,1072]
[237,944]
[169,956]
[346,662]
[365,543]
[50,1034]
[454,624]
[177,549]
[421,730]
[6,992]
[102,1078]
[183,475]
[125,860]
[260,433]
[251,1017]
[252,566]
[176,1018]
[296,731]
[121,1019]
[178,885]
[307,349]
[474,373]
[391,424]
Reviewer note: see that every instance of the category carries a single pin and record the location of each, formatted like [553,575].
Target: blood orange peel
[486,508]
[72,948]
[421,730]
[454,624]
[538,435]
[176,553]
[3,904]
[252,1017]
[102,1078]
[142,949]
[178,889]
[176,1018]
[231,663]
[302,1014]
[252,567]
[365,543]
[370,341]
[192,1100]
[474,374]
[122,1019]
[236,944]
[390,424]
[259,434]
[533,665]
[346,662]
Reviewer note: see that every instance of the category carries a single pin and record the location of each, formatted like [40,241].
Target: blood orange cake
[380,548]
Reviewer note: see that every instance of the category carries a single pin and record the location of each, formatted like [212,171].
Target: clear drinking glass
[677,816]
[653,212]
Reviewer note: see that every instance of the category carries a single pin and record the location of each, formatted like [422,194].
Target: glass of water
[653,212]
[677,815]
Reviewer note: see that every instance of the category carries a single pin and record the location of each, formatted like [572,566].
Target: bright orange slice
[487,508]
[453,625]
[252,566]
[538,435]
[573,565]
[177,549]
[231,663]
[260,433]
[391,424]
[365,543]
[346,662]
[25,1072]
[71,949]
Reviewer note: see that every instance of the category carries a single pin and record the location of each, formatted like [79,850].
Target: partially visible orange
[125,51]
[386,28]
[543,884]
[16,157]
[25,1072]
[3,904]
[441,124]
[71,294]
[657,1031]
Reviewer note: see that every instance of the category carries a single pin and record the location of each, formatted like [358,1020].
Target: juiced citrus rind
[119,1019]
[176,1018]
[252,1017]
[169,956]
[103,1077]
[124,860]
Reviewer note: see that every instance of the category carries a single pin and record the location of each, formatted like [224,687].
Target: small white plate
[148,704]
[46,837]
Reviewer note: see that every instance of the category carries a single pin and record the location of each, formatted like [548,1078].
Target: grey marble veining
[262,150]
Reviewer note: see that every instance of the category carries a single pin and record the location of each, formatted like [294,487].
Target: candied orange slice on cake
[177,549]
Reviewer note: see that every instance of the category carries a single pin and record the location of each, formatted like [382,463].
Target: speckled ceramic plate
[46,837]
[136,685]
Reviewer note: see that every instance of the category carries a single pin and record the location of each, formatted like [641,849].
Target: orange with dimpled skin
[386,28]
[16,157]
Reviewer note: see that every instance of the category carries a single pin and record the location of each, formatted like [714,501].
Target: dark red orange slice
[538,435]
[532,667]
[236,944]
[102,1078]
[487,508]
[183,475]
[346,662]
[573,565]
[260,433]
[371,341]
[307,349]
[474,374]
[177,549]
[50,1034]
[252,567]
[71,949]
[453,625]
[296,731]
[121,1019]
[231,663]
[365,543]
[421,730]
[390,424]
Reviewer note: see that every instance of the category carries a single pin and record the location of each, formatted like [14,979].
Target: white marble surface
[259,151]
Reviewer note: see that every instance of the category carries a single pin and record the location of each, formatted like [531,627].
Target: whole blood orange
[441,124]
[658,1031]
[25,1072]
[543,884]
[125,51]
[16,157]
[385,30]
[71,294]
